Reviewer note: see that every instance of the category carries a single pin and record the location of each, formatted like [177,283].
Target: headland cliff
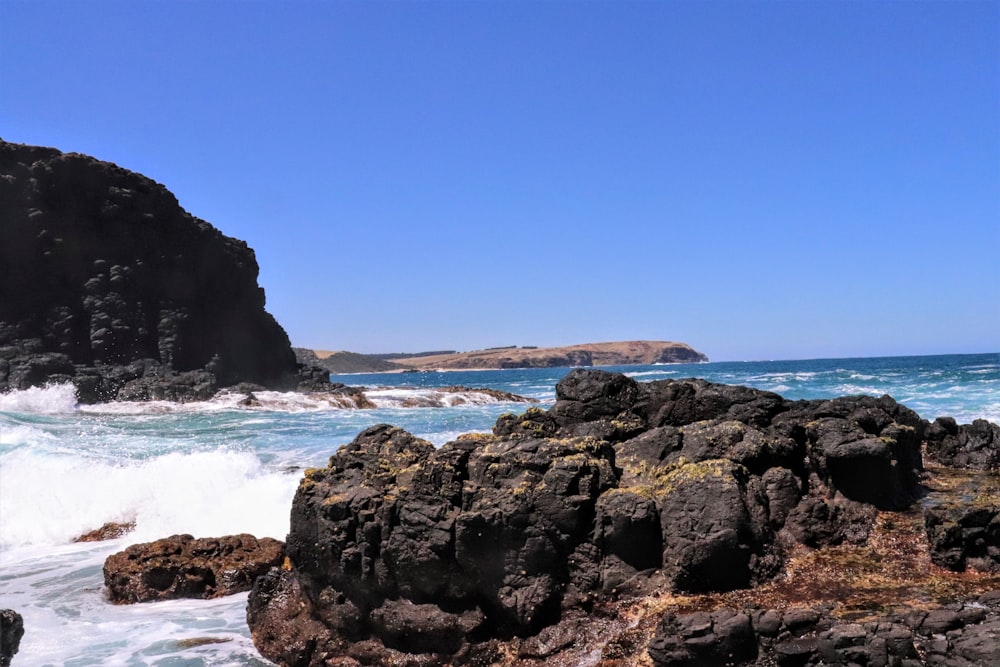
[109,284]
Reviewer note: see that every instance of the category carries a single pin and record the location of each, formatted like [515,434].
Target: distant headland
[621,353]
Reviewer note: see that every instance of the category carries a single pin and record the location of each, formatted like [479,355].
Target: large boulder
[184,567]
[109,283]
[403,553]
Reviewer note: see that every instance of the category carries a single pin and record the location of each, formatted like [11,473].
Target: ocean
[217,468]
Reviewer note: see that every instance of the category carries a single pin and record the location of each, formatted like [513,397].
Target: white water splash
[428,398]
[50,400]
[52,499]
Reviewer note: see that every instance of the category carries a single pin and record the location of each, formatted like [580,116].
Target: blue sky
[762,180]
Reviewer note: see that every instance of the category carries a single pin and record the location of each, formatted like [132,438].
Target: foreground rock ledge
[555,539]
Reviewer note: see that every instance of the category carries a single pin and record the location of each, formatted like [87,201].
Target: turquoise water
[216,468]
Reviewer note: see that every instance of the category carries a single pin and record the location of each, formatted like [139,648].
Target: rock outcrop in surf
[110,284]
[181,566]
[563,524]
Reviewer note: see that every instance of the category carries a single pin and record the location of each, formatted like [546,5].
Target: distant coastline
[620,353]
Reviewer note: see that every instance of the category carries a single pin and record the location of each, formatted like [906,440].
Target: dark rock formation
[184,567]
[110,284]
[975,445]
[401,553]
[962,506]
[965,536]
[11,631]
[957,636]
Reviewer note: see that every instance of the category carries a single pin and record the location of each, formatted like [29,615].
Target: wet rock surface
[184,567]
[502,548]
[11,632]
[110,284]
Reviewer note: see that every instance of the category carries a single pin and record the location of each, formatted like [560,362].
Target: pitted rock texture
[401,553]
[184,567]
[110,284]
[975,445]
[965,536]
[957,636]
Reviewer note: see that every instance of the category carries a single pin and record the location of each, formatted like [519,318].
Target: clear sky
[762,180]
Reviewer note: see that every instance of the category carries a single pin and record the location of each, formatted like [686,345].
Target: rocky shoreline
[671,523]
[678,522]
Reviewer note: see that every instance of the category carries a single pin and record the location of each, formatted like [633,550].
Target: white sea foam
[848,389]
[50,400]
[782,377]
[51,500]
[296,402]
[263,401]
[427,398]
[89,631]
[22,434]
[640,374]
[991,413]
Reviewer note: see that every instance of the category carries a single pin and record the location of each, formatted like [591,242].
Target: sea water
[218,468]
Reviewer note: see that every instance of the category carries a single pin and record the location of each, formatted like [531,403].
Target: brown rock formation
[184,567]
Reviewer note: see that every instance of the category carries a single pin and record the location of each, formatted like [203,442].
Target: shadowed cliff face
[102,267]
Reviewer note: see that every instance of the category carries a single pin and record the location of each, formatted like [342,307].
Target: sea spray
[52,499]
[49,400]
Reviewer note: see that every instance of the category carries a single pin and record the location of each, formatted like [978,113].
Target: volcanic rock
[961,635]
[403,553]
[11,631]
[108,283]
[965,536]
[975,445]
[184,567]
